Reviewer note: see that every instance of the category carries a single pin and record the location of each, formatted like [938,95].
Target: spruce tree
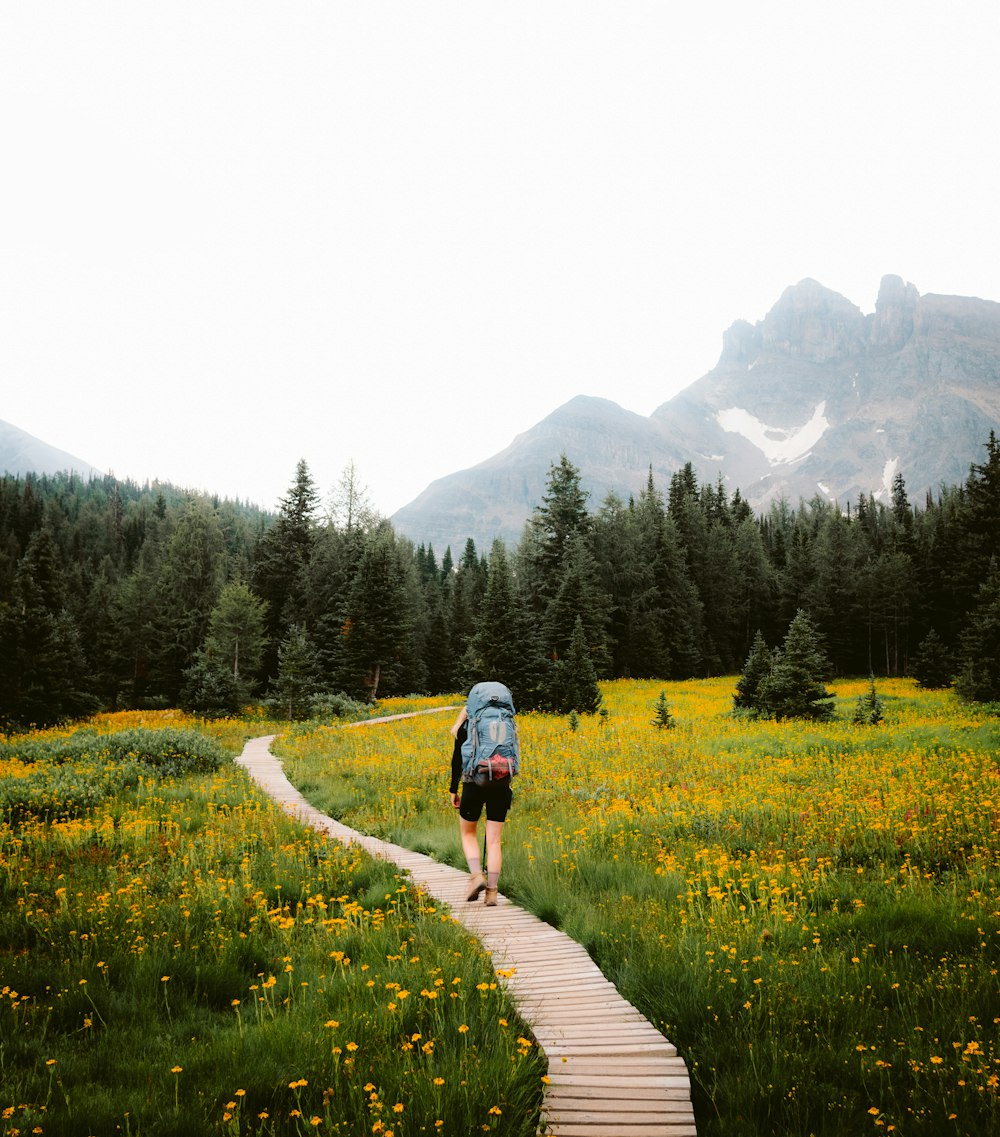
[672,611]
[756,670]
[379,653]
[236,631]
[662,718]
[794,687]
[505,645]
[191,573]
[868,710]
[932,663]
[295,684]
[573,679]
[978,678]
[578,597]
[561,516]
[282,558]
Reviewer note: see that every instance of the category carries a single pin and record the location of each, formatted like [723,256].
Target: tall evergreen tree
[550,530]
[833,598]
[578,597]
[753,588]
[623,551]
[191,574]
[295,683]
[677,609]
[467,592]
[506,646]
[44,678]
[379,655]
[932,663]
[236,631]
[573,680]
[978,678]
[756,670]
[282,558]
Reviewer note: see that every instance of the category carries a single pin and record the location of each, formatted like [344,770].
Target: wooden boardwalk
[612,1074]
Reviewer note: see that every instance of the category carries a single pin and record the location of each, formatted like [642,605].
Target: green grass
[180,958]
[810,912]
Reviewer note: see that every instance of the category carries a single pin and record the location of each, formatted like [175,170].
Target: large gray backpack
[491,752]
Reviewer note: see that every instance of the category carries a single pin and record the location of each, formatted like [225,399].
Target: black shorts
[497,800]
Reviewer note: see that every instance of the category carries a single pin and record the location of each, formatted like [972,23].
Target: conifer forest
[117,596]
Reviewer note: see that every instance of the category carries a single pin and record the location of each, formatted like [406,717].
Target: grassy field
[179,958]
[810,912]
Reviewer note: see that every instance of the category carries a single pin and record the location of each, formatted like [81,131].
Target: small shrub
[662,718]
[337,705]
[868,710]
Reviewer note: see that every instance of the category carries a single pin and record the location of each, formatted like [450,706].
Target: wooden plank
[614,1065]
[558,1042]
[610,1030]
[595,1018]
[584,1110]
[655,1087]
[616,1129]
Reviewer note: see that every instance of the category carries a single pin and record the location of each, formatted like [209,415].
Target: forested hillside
[114,595]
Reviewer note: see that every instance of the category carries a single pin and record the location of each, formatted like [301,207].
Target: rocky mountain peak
[816,398]
[740,344]
[895,314]
[814,324]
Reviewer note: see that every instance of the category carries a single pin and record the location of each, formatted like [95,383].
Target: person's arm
[457,724]
[456,764]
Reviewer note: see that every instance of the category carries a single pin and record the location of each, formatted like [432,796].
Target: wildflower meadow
[179,958]
[810,912]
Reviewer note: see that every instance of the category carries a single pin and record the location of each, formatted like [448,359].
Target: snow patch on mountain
[889,472]
[779,445]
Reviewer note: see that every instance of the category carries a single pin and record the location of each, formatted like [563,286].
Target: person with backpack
[485,759]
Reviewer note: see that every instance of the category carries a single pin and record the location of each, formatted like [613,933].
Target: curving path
[612,1074]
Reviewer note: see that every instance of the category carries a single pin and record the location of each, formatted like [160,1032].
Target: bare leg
[469,831]
[494,854]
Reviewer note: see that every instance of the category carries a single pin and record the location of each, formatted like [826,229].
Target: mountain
[22,453]
[816,398]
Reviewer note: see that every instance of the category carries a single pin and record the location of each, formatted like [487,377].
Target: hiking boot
[490,899]
[477,882]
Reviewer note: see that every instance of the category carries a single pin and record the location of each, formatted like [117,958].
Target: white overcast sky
[236,234]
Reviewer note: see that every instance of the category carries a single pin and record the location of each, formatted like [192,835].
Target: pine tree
[573,685]
[757,669]
[978,678]
[662,718]
[282,558]
[212,689]
[932,663]
[868,710]
[379,651]
[561,516]
[833,598]
[295,684]
[672,615]
[236,630]
[578,597]
[506,646]
[794,688]
[44,678]
[189,580]
[754,585]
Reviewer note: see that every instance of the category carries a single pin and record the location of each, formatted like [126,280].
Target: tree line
[115,595]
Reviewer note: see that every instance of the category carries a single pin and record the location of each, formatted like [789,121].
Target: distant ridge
[815,399]
[21,453]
